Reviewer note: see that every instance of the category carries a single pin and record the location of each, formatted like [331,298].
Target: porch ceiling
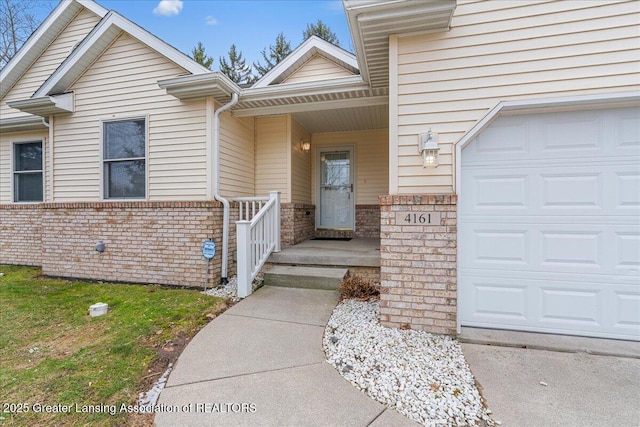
[345,119]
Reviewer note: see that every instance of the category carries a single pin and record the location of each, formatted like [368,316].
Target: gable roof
[38,42]
[97,41]
[308,49]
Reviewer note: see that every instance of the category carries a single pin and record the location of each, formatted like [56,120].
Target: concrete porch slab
[354,253]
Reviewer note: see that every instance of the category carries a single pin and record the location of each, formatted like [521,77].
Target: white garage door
[549,224]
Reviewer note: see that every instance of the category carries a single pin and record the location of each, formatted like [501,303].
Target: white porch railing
[257,236]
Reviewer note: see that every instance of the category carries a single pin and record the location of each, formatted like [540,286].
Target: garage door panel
[628,188]
[570,307]
[549,228]
[627,313]
[507,191]
[556,306]
[570,250]
[628,250]
[575,190]
[571,133]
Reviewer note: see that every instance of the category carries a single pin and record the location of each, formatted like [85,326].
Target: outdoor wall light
[305,145]
[428,147]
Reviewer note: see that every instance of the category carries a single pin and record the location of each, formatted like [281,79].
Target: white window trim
[12,159]
[103,196]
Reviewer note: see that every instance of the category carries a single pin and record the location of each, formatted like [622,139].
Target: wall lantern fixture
[428,147]
[305,145]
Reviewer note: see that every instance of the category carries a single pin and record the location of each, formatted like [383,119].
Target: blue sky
[251,25]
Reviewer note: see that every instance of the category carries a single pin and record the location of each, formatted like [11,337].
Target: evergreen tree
[236,68]
[321,30]
[277,53]
[200,56]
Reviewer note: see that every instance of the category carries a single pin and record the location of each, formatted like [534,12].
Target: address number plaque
[417,218]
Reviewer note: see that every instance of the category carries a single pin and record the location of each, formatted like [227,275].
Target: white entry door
[335,189]
[549,224]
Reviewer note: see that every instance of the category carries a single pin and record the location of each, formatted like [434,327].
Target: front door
[335,189]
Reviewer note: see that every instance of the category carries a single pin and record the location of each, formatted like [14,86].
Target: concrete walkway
[261,363]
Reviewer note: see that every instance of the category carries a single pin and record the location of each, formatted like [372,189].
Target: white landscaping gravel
[423,376]
[230,290]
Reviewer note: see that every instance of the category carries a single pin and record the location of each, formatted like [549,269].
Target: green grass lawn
[53,353]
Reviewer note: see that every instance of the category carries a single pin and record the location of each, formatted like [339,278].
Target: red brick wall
[295,224]
[418,269]
[20,234]
[146,242]
[367,221]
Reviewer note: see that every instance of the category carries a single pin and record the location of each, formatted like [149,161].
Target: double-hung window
[124,149]
[28,183]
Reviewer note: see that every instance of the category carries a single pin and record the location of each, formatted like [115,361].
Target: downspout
[48,194]
[216,195]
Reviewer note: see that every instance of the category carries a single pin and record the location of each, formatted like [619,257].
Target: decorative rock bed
[423,376]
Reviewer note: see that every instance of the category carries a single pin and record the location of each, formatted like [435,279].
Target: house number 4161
[418,218]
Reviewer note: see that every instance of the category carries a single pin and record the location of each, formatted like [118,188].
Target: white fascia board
[111,20]
[93,7]
[12,71]
[350,83]
[314,42]
[530,106]
[312,106]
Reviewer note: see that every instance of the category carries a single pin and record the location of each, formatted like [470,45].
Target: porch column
[418,266]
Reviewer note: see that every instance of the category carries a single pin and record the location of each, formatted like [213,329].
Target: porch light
[428,147]
[305,145]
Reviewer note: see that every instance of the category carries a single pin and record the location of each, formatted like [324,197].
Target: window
[27,172]
[125,159]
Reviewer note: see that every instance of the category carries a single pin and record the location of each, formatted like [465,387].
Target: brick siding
[367,224]
[297,223]
[146,242]
[21,234]
[418,266]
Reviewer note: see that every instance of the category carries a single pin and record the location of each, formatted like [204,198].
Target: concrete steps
[304,277]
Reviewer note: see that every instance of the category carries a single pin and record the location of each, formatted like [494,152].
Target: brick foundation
[297,223]
[418,269]
[367,224]
[367,221]
[146,242]
[21,234]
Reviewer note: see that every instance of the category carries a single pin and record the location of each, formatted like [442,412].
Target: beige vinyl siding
[46,64]
[237,156]
[501,51]
[122,84]
[272,156]
[6,168]
[300,165]
[318,68]
[372,161]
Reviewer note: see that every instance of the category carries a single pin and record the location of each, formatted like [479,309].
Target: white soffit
[372,21]
[38,42]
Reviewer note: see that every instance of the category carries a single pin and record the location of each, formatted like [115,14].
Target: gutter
[217,196]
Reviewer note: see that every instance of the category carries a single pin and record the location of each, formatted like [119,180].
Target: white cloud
[168,7]
[210,20]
